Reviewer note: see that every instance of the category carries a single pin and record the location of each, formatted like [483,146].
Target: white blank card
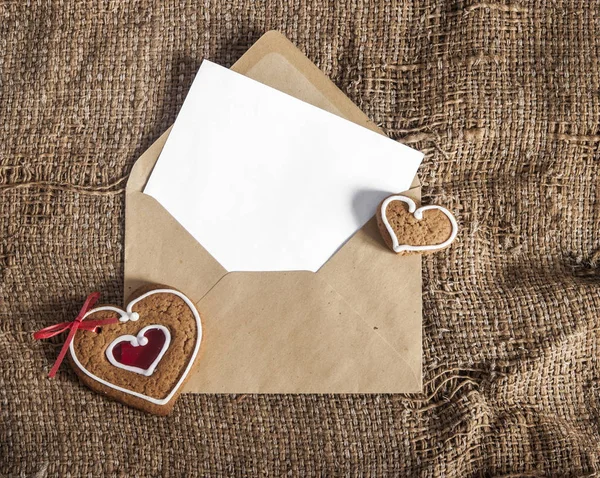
[266,182]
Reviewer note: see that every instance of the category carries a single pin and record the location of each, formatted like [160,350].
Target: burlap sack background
[504,99]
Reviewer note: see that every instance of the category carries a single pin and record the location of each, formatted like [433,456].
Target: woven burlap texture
[504,100]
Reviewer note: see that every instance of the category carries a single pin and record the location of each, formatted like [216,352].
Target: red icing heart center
[141,356]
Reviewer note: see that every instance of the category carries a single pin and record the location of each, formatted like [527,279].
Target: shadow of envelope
[352,327]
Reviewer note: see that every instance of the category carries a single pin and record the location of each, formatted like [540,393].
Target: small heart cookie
[408,229]
[144,358]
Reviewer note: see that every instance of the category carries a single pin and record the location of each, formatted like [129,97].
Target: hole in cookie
[98,330]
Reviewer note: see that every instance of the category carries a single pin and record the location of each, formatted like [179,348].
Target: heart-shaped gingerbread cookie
[144,359]
[408,229]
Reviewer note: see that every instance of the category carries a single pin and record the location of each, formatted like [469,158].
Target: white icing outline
[139,340]
[130,315]
[418,215]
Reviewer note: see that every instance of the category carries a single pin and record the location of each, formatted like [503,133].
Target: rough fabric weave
[504,99]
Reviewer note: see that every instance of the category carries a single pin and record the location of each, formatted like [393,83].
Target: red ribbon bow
[72,327]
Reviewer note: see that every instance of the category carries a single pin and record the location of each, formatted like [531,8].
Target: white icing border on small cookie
[418,215]
[130,315]
[136,341]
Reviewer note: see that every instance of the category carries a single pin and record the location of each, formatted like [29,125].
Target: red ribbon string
[72,327]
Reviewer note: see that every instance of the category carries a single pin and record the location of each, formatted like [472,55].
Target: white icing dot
[134,316]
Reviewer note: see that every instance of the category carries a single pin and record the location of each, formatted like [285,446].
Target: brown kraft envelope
[352,327]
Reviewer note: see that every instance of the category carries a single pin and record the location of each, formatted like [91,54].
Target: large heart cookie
[144,359]
[408,229]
